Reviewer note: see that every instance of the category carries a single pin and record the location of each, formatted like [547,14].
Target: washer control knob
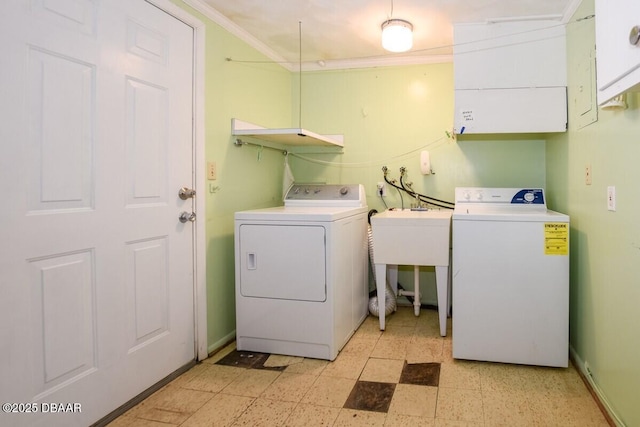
[307,191]
[529,197]
[479,195]
[344,190]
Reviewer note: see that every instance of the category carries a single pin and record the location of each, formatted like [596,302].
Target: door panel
[96,270]
[61,110]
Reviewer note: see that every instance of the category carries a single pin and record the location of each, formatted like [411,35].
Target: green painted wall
[605,246]
[255,92]
[388,115]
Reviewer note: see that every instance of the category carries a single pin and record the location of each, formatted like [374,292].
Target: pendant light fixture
[397,34]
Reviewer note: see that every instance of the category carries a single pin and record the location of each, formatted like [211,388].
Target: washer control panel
[500,196]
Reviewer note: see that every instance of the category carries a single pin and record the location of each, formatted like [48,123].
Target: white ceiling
[344,33]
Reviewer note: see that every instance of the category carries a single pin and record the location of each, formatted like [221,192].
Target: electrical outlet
[212,172]
[611,198]
[382,189]
[587,175]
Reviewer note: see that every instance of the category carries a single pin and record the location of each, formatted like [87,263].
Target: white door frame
[200,285]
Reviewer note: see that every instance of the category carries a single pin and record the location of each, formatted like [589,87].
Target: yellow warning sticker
[556,238]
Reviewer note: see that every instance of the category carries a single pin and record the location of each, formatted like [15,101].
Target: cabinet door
[524,54]
[618,61]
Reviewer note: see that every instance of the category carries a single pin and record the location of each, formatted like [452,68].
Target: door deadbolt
[634,35]
[187,216]
[186,193]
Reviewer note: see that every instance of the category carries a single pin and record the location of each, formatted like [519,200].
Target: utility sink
[408,237]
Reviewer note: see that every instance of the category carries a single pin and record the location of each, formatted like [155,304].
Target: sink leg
[416,290]
[381,277]
[442,286]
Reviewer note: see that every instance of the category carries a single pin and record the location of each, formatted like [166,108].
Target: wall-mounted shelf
[286,136]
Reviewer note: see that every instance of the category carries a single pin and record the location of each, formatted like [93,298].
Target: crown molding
[234,29]
[570,10]
[337,64]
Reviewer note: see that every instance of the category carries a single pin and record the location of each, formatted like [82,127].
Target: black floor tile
[370,396]
[421,374]
[244,359]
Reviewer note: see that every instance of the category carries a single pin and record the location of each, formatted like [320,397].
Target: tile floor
[404,376]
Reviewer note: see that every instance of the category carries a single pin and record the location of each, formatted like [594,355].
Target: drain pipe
[389,296]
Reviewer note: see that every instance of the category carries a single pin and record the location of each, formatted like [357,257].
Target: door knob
[186,193]
[187,216]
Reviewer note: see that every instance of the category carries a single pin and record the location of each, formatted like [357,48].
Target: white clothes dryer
[510,278]
[301,272]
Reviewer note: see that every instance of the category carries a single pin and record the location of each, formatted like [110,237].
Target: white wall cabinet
[618,59]
[510,77]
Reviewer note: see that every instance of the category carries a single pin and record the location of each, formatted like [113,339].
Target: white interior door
[97,273]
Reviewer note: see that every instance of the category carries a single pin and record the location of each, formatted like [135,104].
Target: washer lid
[504,215]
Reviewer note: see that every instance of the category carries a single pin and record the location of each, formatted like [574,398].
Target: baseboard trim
[221,343]
[602,401]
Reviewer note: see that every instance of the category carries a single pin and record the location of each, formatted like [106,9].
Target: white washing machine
[302,272]
[510,278]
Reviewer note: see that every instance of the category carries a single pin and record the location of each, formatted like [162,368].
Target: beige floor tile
[221,411]
[289,387]
[430,329]
[138,422]
[369,329]
[459,405]
[305,415]
[360,346]
[277,360]
[506,409]
[566,411]
[130,421]
[416,400]
[382,370]
[329,391]
[190,374]
[455,423]
[460,374]
[501,377]
[562,382]
[355,418]
[265,413]
[424,350]
[312,391]
[403,316]
[308,367]
[213,378]
[251,383]
[171,404]
[447,350]
[398,331]
[345,366]
[391,348]
[401,420]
